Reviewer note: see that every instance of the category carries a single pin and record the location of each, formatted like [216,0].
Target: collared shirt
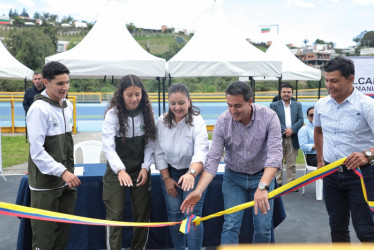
[182,144]
[249,148]
[287,114]
[306,138]
[347,127]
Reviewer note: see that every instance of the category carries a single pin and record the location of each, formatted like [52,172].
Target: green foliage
[15,150]
[12,86]
[90,85]
[30,46]
[368,39]
[131,27]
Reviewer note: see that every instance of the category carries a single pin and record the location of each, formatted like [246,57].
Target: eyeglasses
[311,115]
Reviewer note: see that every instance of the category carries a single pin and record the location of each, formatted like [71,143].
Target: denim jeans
[343,198]
[194,238]
[238,188]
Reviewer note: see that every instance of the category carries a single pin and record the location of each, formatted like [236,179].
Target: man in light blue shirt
[344,127]
[306,139]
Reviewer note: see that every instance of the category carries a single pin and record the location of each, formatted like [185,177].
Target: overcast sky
[330,20]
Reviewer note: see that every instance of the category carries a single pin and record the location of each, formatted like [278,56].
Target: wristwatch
[192,171]
[263,186]
[369,155]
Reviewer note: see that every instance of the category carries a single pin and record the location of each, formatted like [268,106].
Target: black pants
[311,159]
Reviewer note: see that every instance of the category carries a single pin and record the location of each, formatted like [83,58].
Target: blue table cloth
[89,204]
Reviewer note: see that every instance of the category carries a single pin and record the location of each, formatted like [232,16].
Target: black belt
[343,168]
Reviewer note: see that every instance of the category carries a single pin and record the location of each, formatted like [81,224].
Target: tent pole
[279,87]
[25,81]
[253,86]
[112,80]
[297,81]
[319,89]
[159,95]
[163,93]
[104,78]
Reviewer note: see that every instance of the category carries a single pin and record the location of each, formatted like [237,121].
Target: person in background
[290,115]
[249,135]
[37,88]
[306,139]
[344,127]
[51,162]
[181,150]
[128,143]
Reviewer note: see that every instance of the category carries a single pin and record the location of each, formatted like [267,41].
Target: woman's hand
[124,179]
[188,182]
[142,177]
[171,186]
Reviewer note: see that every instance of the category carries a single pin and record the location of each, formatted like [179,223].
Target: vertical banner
[364,74]
[1,159]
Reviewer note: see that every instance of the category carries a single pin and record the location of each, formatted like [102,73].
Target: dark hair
[240,88]
[343,64]
[53,69]
[192,110]
[36,73]
[145,106]
[286,85]
[310,108]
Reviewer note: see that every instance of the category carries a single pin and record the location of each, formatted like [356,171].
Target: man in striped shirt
[249,134]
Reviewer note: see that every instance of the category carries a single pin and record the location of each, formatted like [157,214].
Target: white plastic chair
[319,183]
[91,151]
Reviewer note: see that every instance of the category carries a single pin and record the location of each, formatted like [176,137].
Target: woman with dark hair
[181,150]
[128,134]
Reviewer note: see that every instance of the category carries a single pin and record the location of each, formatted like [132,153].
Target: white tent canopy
[110,50]
[292,67]
[11,68]
[217,49]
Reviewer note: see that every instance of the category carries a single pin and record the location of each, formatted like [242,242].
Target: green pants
[52,235]
[114,199]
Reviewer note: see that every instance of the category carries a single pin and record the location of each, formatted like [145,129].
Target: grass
[14,149]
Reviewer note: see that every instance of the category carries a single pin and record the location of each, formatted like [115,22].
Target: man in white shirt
[291,119]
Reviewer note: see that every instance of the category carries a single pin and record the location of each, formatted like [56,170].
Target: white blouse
[181,145]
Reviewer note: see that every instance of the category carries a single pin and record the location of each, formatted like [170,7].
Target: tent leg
[319,89]
[297,81]
[159,96]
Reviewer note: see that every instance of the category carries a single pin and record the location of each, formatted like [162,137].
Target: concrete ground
[306,222]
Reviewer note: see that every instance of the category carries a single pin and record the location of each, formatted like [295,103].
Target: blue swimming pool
[90,116]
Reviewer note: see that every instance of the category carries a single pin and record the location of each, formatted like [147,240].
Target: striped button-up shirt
[347,127]
[249,148]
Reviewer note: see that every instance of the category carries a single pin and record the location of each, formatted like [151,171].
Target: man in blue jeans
[344,127]
[249,134]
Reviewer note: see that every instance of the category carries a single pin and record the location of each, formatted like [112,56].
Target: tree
[131,27]
[368,39]
[30,46]
[306,41]
[67,19]
[18,22]
[24,13]
[36,15]
[358,38]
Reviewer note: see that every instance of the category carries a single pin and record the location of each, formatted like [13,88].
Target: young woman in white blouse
[181,150]
[128,143]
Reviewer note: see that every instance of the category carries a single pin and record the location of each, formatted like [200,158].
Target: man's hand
[190,201]
[71,179]
[188,181]
[288,132]
[320,164]
[356,160]
[261,201]
[124,179]
[142,177]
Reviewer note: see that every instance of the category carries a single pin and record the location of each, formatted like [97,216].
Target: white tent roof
[217,49]
[292,67]
[110,50]
[11,68]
